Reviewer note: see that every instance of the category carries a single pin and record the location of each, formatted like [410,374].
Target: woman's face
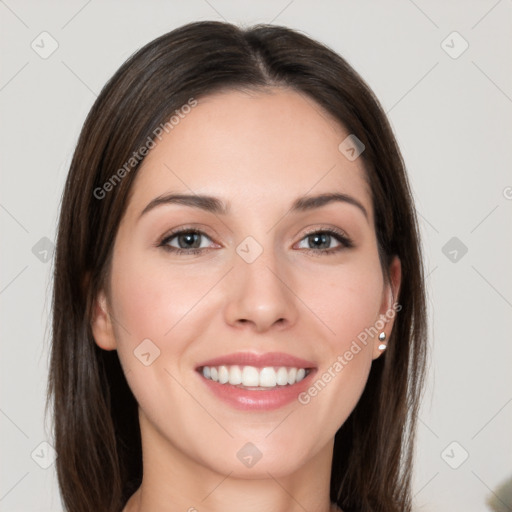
[262,276]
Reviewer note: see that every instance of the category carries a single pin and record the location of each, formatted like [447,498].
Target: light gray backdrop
[441,70]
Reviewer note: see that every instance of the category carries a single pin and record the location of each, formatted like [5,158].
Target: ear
[388,309]
[101,324]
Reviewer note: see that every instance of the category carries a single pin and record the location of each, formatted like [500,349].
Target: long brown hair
[96,429]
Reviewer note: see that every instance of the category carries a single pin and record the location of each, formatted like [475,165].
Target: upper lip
[259,360]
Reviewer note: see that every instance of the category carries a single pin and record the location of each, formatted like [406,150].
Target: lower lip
[258,400]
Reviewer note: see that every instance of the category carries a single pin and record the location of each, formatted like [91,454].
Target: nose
[260,295]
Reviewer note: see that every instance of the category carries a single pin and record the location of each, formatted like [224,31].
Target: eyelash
[345,242]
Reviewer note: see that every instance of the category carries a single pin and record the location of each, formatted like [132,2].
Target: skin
[257,151]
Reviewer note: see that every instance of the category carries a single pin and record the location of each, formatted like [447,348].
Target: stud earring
[382,338]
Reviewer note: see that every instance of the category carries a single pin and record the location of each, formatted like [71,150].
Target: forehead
[251,148]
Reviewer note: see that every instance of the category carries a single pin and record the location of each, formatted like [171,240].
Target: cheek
[347,300]
[158,311]
[153,304]
[151,298]
[347,309]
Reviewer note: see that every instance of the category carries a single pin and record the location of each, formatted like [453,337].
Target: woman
[239,309]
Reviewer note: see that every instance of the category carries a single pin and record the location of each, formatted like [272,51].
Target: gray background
[451,112]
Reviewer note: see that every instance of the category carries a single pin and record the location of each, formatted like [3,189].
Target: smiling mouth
[253,378]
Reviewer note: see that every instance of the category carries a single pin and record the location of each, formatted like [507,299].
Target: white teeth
[223,374]
[235,375]
[268,378]
[282,376]
[250,376]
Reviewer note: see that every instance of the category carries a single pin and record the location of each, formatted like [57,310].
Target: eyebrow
[216,206]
